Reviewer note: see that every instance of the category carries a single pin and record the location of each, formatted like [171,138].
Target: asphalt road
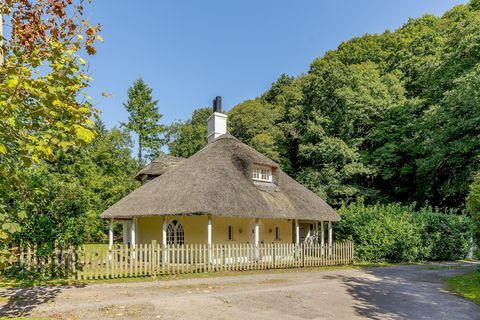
[400,292]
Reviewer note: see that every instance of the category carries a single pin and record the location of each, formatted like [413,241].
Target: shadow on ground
[407,292]
[21,301]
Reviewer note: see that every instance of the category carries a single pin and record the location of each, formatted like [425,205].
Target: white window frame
[262,173]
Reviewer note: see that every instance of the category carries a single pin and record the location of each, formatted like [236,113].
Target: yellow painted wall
[195,228]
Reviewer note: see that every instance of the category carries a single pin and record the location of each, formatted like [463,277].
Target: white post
[209,238]
[110,234]
[110,238]
[315,232]
[164,231]
[257,233]
[133,237]
[322,237]
[330,237]
[133,232]
[297,232]
[257,238]
[164,239]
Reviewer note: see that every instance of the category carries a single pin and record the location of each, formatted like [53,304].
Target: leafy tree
[254,123]
[42,80]
[104,170]
[186,138]
[144,119]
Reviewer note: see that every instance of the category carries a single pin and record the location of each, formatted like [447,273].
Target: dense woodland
[385,128]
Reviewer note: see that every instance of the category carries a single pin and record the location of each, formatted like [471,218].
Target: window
[175,233]
[230,233]
[262,174]
[277,233]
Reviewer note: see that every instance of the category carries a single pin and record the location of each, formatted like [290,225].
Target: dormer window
[262,173]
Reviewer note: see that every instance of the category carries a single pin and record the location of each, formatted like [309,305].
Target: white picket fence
[86,263]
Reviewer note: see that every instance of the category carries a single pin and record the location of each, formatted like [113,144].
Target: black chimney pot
[217,104]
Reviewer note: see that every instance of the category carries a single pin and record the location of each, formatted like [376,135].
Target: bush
[396,233]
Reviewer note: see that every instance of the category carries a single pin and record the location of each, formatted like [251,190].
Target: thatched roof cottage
[226,192]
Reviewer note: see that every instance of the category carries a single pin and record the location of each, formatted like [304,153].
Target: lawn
[466,285]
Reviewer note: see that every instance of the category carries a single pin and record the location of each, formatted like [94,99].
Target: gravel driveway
[400,292]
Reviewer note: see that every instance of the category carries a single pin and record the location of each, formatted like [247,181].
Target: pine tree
[144,119]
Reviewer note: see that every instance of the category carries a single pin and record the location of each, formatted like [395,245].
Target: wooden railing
[85,263]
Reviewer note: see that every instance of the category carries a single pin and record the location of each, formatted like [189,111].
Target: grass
[467,285]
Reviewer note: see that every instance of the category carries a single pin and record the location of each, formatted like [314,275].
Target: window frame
[262,173]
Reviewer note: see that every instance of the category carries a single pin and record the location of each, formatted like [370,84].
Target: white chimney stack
[217,123]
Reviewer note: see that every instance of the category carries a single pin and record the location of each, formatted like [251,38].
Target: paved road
[401,292]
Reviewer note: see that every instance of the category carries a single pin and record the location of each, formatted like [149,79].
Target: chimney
[217,122]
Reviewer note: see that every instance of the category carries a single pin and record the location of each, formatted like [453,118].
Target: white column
[110,234]
[315,232]
[209,230]
[322,237]
[297,232]
[164,239]
[330,237]
[164,231]
[209,238]
[257,232]
[133,232]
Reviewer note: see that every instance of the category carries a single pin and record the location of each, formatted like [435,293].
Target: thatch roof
[217,180]
[158,166]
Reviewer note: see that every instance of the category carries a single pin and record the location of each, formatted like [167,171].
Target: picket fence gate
[121,261]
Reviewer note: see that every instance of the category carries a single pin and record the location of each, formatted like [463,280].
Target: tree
[254,123]
[144,119]
[104,170]
[64,198]
[186,138]
[43,107]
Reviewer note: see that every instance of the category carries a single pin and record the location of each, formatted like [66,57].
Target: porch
[209,230]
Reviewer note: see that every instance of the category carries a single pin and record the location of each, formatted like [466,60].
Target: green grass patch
[467,285]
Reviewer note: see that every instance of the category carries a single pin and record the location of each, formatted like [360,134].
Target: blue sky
[191,51]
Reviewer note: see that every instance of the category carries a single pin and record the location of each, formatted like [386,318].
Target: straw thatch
[217,180]
[158,167]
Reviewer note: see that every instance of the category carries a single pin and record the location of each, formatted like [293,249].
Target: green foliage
[64,199]
[186,138]
[254,122]
[144,120]
[43,104]
[397,233]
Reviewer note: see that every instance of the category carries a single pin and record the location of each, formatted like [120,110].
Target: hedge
[397,233]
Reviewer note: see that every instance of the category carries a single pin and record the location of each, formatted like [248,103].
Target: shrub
[397,233]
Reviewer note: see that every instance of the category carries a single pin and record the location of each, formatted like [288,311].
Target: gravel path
[400,292]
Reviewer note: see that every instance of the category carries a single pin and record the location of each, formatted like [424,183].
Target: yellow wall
[195,228]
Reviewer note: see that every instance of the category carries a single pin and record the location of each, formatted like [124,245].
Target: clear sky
[191,51]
